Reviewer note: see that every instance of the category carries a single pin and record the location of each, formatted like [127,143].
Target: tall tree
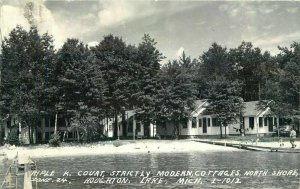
[80,83]
[177,93]
[114,59]
[282,94]
[27,65]
[214,63]
[247,61]
[225,101]
[289,60]
[148,60]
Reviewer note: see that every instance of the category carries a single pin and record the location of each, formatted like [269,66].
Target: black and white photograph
[134,94]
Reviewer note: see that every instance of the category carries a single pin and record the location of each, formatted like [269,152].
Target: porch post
[256,124]
[43,128]
[134,127]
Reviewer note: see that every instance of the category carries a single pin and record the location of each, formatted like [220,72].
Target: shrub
[13,137]
[54,140]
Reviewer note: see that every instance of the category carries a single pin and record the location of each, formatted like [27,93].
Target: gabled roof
[200,107]
[252,109]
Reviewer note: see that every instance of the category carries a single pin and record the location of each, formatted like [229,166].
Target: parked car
[284,131]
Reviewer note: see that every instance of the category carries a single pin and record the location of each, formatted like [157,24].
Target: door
[271,125]
[204,125]
[147,129]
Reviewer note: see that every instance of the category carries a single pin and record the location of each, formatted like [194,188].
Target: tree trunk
[116,125]
[221,130]
[29,133]
[67,125]
[259,90]
[225,131]
[20,130]
[33,129]
[277,126]
[124,124]
[1,130]
[55,124]
[78,137]
[177,130]
[64,136]
[134,127]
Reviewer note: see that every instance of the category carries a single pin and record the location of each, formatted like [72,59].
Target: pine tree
[28,62]
[224,101]
[177,94]
[80,84]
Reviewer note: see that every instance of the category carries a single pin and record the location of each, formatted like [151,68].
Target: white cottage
[200,123]
[131,128]
[256,121]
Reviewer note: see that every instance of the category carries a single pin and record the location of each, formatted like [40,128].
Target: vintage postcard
[149,94]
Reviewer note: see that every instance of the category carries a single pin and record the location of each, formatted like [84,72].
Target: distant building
[129,128]
[254,121]
[200,124]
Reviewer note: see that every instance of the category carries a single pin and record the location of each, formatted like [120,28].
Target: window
[200,122]
[215,122]
[208,122]
[275,121]
[260,121]
[251,122]
[204,129]
[265,121]
[194,122]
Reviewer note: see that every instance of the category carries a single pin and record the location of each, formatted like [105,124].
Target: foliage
[148,60]
[177,93]
[247,62]
[26,70]
[225,101]
[87,126]
[27,66]
[13,137]
[55,140]
[283,91]
[216,63]
[85,84]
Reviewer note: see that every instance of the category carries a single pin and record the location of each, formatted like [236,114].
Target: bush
[13,137]
[54,140]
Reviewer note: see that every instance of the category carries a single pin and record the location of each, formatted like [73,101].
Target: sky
[176,25]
